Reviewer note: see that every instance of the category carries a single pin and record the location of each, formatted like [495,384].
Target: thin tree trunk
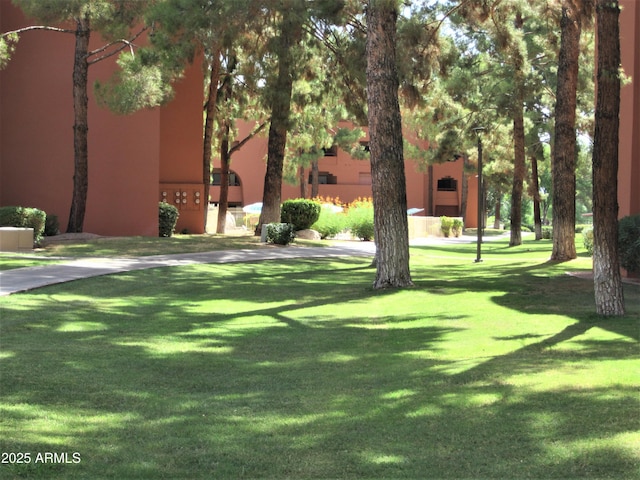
[80,127]
[290,35]
[465,191]
[430,208]
[303,182]
[225,161]
[564,154]
[315,178]
[535,194]
[386,147]
[609,295]
[519,168]
[210,112]
[498,208]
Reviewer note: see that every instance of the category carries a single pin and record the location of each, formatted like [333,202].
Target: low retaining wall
[14,239]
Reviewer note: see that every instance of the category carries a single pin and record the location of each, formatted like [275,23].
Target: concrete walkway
[25,279]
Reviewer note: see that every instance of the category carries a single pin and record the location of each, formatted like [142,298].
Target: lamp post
[479,131]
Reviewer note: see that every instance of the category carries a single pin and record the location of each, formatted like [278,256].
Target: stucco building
[137,160]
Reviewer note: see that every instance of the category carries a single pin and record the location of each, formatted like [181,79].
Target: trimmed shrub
[51,225]
[360,219]
[280,233]
[329,223]
[547,232]
[23,217]
[446,224]
[587,239]
[629,243]
[300,212]
[167,219]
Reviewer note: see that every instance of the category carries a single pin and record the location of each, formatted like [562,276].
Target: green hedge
[167,219]
[300,212]
[24,217]
[280,233]
[629,243]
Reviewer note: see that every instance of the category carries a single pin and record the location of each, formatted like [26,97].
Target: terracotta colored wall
[629,154]
[37,139]
[249,164]
[181,123]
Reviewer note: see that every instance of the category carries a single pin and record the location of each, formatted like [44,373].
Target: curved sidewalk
[25,279]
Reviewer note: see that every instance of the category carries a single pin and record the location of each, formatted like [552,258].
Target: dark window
[447,184]
[365,146]
[234,179]
[325,178]
[331,152]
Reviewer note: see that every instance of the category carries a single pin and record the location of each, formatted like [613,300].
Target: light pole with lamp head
[479,131]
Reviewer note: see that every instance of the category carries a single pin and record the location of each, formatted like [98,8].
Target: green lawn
[54,250]
[299,369]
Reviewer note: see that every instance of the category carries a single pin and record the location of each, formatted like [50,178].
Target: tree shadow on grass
[186,386]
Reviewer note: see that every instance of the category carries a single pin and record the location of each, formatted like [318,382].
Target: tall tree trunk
[535,194]
[519,168]
[386,147]
[303,182]
[430,208]
[564,154]
[498,208]
[210,112]
[315,178]
[80,127]
[290,35]
[465,191]
[225,161]
[609,295]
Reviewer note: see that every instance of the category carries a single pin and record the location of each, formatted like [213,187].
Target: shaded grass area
[299,369]
[143,246]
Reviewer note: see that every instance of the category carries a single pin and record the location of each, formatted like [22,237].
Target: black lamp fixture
[479,131]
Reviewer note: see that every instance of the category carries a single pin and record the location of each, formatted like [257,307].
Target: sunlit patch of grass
[299,369]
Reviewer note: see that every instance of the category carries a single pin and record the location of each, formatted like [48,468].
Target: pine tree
[609,295]
[386,147]
[114,20]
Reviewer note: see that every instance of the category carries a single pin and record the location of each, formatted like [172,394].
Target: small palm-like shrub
[446,224]
[456,227]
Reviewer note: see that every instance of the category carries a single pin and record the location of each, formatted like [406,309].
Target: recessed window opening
[234,178]
[447,184]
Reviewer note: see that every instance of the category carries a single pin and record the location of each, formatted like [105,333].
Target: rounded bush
[300,212]
[629,243]
[23,217]
[280,233]
[167,219]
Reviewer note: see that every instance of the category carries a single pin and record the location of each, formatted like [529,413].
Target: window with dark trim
[234,179]
[325,178]
[447,184]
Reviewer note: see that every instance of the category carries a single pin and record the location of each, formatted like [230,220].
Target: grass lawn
[126,247]
[299,369]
